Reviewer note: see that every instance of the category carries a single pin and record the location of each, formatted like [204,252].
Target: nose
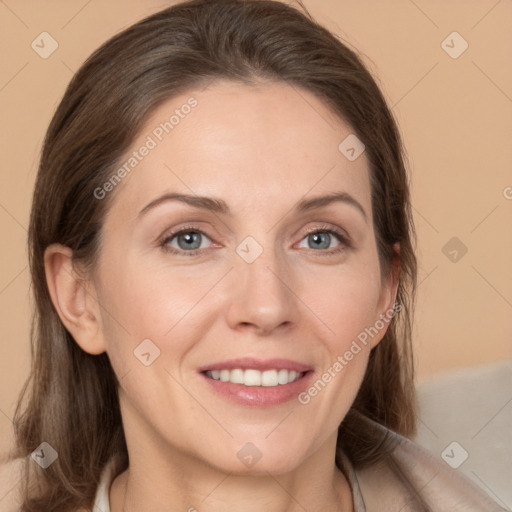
[262,297]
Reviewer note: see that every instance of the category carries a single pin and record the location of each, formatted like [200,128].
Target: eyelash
[345,242]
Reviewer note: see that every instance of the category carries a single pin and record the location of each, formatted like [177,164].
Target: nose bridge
[262,287]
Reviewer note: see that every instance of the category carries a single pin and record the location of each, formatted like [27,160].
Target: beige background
[454,114]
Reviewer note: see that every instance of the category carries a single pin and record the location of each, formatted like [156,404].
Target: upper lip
[249,363]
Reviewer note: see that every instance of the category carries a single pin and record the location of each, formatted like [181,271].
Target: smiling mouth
[252,377]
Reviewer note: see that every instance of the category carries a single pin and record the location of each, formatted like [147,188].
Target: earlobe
[73,298]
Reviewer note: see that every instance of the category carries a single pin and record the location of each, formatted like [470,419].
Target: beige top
[408,479]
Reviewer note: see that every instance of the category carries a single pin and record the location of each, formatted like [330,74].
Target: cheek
[345,300]
[164,304]
[151,300]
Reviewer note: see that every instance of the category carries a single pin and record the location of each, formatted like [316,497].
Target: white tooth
[282,377]
[237,376]
[269,378]
[252,378]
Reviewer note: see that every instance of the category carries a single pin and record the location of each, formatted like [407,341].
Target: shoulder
[11,474]
[410,477]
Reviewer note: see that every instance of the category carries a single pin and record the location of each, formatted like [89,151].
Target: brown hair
[71,396]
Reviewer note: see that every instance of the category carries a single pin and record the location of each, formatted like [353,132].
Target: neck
[132,492]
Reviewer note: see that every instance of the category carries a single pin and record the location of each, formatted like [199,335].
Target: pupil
[189,238]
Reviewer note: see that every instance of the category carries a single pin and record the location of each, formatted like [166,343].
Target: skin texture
[261,149]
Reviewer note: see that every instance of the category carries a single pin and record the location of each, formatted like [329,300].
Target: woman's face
[246,292]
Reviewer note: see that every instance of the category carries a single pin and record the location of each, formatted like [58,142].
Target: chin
[274,465]
[259,458]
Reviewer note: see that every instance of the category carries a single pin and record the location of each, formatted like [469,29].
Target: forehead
[248,144]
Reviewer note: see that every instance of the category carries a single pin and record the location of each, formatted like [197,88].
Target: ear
[74,298]
[386,307]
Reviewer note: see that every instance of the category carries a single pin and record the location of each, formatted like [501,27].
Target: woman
[221,246]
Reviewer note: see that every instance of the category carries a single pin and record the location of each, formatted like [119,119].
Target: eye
[186,241]
[322,238]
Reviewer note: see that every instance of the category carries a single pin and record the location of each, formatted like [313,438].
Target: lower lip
[260,396]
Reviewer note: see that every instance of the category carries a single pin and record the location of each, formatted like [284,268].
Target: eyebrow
[220,206]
